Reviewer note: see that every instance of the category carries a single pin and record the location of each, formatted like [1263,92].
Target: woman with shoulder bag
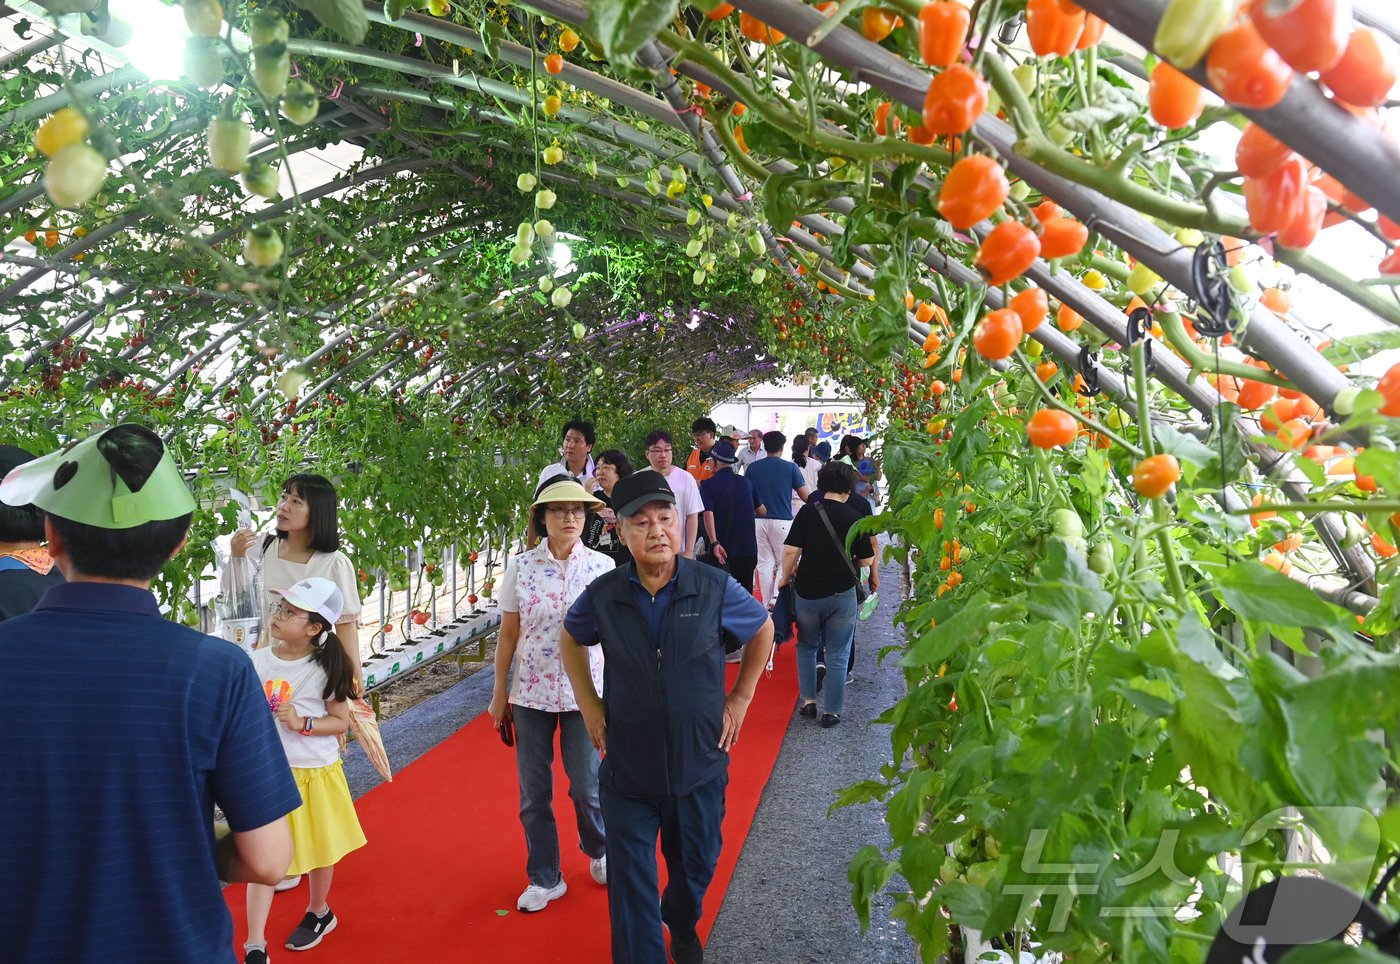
[826,587]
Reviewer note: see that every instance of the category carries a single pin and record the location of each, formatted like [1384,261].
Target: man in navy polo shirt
[665,624]
[121,731]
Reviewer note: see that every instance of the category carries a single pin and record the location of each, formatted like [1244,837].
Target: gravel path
[789,900]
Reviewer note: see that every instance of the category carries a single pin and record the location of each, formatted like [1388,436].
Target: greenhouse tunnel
[1115,282]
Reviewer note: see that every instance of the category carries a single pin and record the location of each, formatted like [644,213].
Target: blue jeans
[826,624]
[689,828]
[534,759]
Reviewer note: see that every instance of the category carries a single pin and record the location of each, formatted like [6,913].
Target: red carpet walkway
[445,860]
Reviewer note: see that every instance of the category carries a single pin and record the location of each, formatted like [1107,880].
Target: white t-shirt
[305,682]
[279,573]
[809,472]
[560,468]
[687,492]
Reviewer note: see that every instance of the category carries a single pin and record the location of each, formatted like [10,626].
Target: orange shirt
[694,465]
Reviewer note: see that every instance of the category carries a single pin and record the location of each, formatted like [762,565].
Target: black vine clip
[1139,324]
[1088,372]
[1210,275]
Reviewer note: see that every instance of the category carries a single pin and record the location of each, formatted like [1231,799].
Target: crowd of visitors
[613,633]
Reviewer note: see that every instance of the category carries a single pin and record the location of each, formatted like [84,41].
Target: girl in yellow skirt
[308,679]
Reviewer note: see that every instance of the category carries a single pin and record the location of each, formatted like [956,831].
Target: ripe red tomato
[1307,222]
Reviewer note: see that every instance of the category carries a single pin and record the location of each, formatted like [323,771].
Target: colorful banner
[833,425]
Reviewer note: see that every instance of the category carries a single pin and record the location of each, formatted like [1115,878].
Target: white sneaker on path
[537,898]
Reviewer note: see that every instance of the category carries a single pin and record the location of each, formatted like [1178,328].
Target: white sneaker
[286,883]
[535,898]
[598,869]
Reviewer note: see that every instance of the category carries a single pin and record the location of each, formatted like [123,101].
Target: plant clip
[1210,277]
[1139,324]
[1088,372]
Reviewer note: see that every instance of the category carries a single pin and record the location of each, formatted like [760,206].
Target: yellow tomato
[64,127]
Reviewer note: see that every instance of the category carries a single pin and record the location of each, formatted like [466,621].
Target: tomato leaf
[968,904]
[345,17]
[1256,592]
[868,874]
[1186,448]
[1358,348]
[1384,465]
[622,26]
[1067,589]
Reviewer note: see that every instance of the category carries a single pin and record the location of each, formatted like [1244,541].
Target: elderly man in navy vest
[666,624]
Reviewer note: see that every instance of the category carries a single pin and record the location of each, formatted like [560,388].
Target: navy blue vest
[664,697]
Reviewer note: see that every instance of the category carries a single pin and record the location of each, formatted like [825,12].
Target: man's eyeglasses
[567,512]
[283,611]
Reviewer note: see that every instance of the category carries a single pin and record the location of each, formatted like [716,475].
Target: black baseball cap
[640,489]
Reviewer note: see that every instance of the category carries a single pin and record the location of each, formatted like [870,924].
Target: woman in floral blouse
[535,593]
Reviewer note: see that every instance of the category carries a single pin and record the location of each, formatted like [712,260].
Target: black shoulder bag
[861,591]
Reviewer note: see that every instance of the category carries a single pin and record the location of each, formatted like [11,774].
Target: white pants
[771,533]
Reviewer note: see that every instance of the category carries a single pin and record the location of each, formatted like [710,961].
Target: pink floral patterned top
[541,588]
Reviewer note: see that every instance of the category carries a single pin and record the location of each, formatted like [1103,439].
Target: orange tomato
[1294,433]
[1383,548]
[1366,72]
[943,26]
[1006,252]
[1046,370]
[1067,319]
[1062,238]
[974,188]
[1053,29]
[1256,519]
[954,100]
[756,30]
[1174,99]
[877,23]
[554,63]
[996,335]
[1032,306]
[1153,476]
[1245,71]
